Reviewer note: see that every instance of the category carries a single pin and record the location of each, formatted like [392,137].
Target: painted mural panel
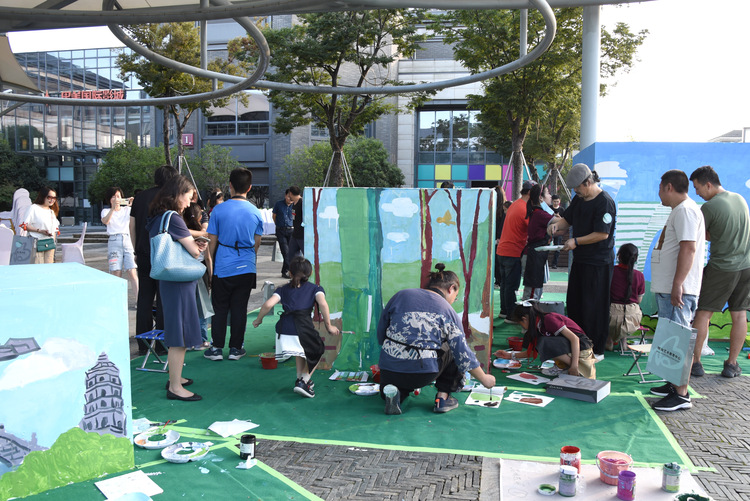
[64,377]
[368,243]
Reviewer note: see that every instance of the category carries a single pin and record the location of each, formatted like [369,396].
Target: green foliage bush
[128,166]
[16,171]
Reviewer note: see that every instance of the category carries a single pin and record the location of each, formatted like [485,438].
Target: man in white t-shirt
[677,270]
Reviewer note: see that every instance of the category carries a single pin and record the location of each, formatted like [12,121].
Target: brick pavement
[713,434]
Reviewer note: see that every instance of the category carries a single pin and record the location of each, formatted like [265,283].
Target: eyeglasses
[51,198]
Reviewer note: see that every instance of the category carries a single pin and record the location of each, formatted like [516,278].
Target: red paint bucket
[516,343]
[268,360]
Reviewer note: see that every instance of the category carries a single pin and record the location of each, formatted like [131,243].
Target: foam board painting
[64,377]
[366,244]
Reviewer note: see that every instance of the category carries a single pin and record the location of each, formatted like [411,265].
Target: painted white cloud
[56,357]
[330,213]
[401,207]
[747,183]
[610,169]
[397,237]
[450,248]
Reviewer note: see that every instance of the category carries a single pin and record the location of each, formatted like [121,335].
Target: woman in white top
[41,222]
[120,248]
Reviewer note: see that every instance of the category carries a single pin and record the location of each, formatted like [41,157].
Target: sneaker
[392,400]
[706,351]
[673,402]
[303,388]
[445,404]
[663,390]
[213,354]
[731,370]
[697,369]
[236,353]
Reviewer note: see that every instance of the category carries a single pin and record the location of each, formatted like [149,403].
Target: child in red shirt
[626,292]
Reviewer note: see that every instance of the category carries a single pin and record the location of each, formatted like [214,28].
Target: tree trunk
[165,138]
[426,235]
[335,174]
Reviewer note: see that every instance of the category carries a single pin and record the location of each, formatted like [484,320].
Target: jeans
[681,315]
[284,236]
[510,268]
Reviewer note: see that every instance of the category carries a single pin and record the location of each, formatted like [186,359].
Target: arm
[575,350]
[684,263]
[193,247]
[486,380]
[257,245]
[198,233]
[213,244]
[557,226]
[209,262]
[324,311]
[272,301]
[132,231]
[589,239]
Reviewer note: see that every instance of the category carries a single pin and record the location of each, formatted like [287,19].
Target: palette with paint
[503,363]
[365,389]
[156,438]
[186,451]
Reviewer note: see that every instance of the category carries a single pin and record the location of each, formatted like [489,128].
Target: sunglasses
[51,198]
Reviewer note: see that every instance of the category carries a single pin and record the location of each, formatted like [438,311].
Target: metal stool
[153,336]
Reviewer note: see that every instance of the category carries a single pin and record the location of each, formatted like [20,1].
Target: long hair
[628,255]
[534,201]
[442,279]
[41,199]
[300,269]
[192,217]
[532,311]
[214,197]
[166,197]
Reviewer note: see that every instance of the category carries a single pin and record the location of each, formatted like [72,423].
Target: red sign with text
[94,94]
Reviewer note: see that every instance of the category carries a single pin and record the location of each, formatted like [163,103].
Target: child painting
[295,333]
[626,292]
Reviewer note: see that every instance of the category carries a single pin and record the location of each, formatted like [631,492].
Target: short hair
[294,190]
[447,184]
[241,180]
[677,179]
[705,174]
[555,197]
[111,192]
[164,174]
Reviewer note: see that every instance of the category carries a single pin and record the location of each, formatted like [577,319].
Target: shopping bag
[23,250]
[671,354]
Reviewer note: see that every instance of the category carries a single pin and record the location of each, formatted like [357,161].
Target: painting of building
[103,412]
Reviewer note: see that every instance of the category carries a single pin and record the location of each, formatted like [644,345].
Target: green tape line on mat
[286,480]
[685,459]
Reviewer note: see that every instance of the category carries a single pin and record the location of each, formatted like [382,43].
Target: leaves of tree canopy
[128,166]
[545,93]
[352,49]
[16,171]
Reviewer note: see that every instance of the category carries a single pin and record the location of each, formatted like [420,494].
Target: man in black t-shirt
[592,215]
[148,287]
[297,243]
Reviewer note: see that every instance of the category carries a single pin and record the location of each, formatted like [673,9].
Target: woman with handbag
[176,286]
[41,223]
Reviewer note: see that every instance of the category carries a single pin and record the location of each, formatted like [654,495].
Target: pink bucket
[610,464]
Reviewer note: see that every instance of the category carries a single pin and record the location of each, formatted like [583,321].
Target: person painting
[628,288]
[41,223]
[181,323]
[296,335]
[422,340]
[555,337]
[536,260]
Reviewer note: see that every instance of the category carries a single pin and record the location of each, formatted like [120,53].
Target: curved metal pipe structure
[45,18]
[541,5]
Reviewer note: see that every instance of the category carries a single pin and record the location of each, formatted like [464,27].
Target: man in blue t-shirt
[283,217]
[234,237]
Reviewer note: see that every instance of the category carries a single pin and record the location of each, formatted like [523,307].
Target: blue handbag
[170,261]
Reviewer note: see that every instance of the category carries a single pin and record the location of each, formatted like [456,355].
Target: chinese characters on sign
[94,94]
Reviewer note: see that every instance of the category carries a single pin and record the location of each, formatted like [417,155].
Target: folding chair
[153,336]
[639,350]
[638,337]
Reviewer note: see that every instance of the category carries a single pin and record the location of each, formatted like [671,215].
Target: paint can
[570,455]
[247,446]
[568,483]
[626,485]
[670,478]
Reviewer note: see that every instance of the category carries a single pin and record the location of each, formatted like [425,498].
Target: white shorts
[120,253]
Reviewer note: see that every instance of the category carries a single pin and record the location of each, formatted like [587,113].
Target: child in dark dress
[295,332]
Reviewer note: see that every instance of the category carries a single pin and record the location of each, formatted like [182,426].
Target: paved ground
[713,433]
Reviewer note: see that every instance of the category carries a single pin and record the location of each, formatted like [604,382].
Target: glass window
[250,118]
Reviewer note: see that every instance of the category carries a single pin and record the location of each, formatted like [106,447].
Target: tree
[367,159]
[352,49]
[179,42]
[128,166]
[211,167]
[547,90]
[16,171]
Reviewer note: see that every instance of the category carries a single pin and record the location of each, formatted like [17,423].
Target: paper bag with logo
[672,351]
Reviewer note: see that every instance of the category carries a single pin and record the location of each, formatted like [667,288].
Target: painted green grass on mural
[75,456]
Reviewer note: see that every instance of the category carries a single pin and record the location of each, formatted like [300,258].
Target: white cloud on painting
[397,237]
[331,213]
[610,169]
[56,357]
[401,207]
[747,183]
[450,248]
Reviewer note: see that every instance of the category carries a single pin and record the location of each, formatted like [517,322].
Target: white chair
[21,204]
[6,244]
[73,253]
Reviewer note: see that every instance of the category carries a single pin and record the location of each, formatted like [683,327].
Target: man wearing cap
[592,214]
[510,248]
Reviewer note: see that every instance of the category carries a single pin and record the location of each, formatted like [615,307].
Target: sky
[689,85]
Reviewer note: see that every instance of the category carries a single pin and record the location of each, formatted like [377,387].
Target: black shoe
[186,383]
[731,370]
[697,369]
[193,398]
[663,390]
[304,389]
[673,402]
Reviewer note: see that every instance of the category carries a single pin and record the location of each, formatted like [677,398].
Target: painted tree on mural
[426,233]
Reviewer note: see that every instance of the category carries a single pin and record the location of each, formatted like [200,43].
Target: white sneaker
[707,351]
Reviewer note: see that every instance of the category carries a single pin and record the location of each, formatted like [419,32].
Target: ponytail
[628,256]
[300,269]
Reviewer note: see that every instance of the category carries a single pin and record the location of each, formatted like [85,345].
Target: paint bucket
[568,483]
[610,464]
[670,478]
[515,343]
[571,456]
[268,360]
[375,369]
[626,485]
[247,446]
